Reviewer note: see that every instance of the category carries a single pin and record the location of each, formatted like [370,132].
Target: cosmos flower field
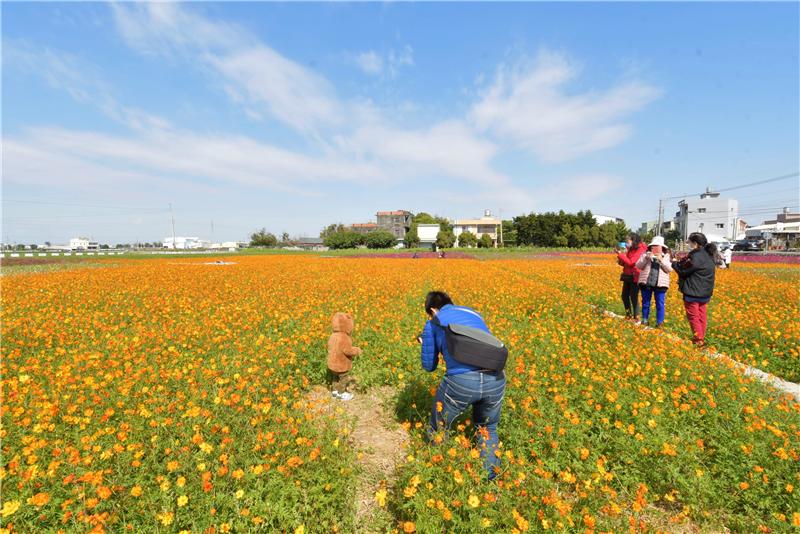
[172,395]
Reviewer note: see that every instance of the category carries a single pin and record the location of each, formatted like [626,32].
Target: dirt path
[380,444]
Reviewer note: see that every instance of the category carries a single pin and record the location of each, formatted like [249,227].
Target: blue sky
[293,116]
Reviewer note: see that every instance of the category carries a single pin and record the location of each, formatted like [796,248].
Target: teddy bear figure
[340,356]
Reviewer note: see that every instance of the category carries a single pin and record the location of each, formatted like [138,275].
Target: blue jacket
[434,343]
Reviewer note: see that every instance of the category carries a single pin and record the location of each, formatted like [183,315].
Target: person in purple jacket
[462,385]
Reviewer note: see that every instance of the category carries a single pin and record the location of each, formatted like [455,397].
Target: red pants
[698,320]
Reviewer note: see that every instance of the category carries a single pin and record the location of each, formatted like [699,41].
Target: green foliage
[332,229]
[445,239]
[467,239]
[509,234]
[344,239]
[426,218]
[262,238]
[566,229]
[411,239]
[672,238]
[485,241]
[380,239]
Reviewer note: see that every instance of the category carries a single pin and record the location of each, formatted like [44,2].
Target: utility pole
[660,216]
[172,215]
[501,227]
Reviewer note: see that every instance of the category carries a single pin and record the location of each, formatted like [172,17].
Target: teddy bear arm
[352,352]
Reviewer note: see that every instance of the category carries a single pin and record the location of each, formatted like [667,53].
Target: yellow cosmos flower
[9,507]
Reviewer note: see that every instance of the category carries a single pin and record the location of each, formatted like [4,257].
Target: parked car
[751,245]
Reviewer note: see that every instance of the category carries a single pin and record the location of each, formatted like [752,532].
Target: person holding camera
[654,268]
[627,257]
[696,276]
[474,377]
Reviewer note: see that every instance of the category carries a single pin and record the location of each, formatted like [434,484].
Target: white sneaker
[335,394]
[346,396]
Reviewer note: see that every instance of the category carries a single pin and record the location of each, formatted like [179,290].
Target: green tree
[672,238]
[332,229]
[411,240]
[380,239]
[467,239]
[343,239]
[485,241]
[509,234]
[285,237]
[262,238]
[427,218]
[445,239]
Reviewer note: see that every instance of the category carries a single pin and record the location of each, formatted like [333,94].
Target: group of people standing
[646,269]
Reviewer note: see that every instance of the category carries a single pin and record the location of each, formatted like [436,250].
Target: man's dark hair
[436,299]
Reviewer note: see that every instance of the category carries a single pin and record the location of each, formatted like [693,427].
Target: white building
[709,214]
[427,235]
[183,243]
[83,243]
[485,225]
[602,219]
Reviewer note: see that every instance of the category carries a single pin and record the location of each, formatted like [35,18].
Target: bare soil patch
[379,442]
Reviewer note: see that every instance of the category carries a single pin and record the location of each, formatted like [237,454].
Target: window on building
[701,210]
[720,225]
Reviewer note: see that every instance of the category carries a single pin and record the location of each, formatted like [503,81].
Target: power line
[742,186]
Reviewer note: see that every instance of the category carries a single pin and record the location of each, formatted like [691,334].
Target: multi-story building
[785,217]
[648,227]
[397,222]
[709,214]
[485,225]
[363,228]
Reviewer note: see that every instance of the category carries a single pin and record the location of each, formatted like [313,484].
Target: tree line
[551,229]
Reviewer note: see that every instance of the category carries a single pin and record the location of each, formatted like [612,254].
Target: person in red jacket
[634,248]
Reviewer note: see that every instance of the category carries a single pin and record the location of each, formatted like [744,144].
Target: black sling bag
[473,346]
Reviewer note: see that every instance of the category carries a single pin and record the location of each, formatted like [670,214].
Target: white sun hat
[657,240]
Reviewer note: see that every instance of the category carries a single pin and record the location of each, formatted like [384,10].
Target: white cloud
[529,105]
[370,62]
[373,63]
[585,188]
[449,149]
[252,74]
[39,157]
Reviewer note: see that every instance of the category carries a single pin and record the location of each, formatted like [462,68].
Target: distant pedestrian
[627,257]
[654,268]
[696,274]
[727,256]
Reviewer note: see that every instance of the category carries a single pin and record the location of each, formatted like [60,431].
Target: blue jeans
[660,294]
[484,391]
